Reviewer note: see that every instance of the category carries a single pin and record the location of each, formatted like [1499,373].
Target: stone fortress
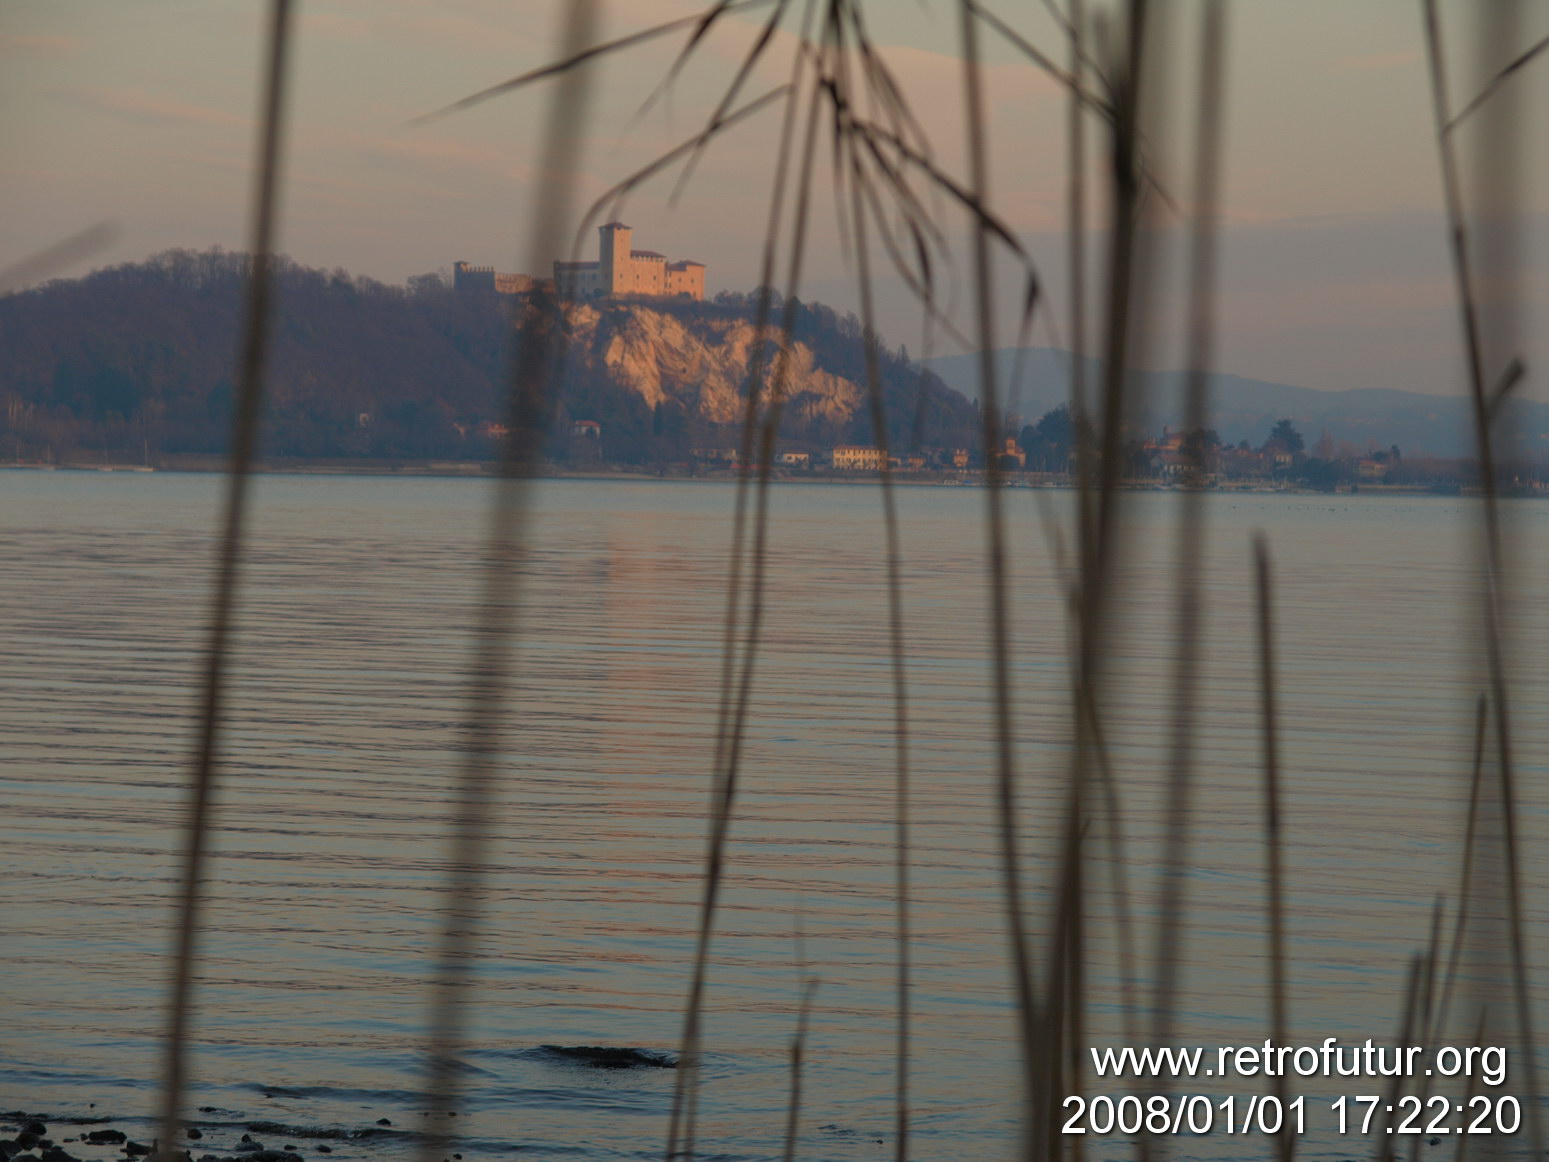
[619,270]
[466,277]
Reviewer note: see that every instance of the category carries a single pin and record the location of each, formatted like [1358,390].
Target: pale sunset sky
[1334,267]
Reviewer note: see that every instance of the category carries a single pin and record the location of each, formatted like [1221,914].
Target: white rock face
[703,364]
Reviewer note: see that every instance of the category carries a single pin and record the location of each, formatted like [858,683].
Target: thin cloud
[336,26]
[22,44]
[138,105]
[1372,62]
[453,159]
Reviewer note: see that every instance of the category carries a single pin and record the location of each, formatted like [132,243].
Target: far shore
[448,469]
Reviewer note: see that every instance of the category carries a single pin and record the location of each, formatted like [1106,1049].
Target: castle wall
[578,280]
[466,277]
[619,270]
[513,284]
[640,275]
[687,279]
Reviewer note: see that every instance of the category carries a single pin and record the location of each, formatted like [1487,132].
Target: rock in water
[613,1057]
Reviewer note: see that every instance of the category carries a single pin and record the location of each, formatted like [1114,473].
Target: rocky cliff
[701,365]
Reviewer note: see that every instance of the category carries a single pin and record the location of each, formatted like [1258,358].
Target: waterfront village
[1036,453]
[1044,455]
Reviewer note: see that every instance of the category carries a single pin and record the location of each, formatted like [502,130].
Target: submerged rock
[613,1057]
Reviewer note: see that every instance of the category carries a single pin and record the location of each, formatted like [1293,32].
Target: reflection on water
[342,745]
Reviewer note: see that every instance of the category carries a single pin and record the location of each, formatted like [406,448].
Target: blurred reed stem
[252,362]
[1274,900]
[536,360]
[1494,25]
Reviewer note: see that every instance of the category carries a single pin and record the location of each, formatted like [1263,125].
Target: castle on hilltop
[619,270]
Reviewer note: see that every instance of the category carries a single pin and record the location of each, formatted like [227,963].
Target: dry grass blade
[999,627]
[723,107]
[1269,733]
[798,1051]
[1170,928]
[252,361]
[922,286]
[1473,1085]
[1098,495]
[1493,574]
[896,649]
[581,57]
[1070,79]
[705,21]
[970,198]
[1426,1009]
[1075,232]
[1190,525]
[1466,871]
[738,667]
[612,200]
[1097,760]
[1495,83]
[535,373]
[884,88]
[1406,1028]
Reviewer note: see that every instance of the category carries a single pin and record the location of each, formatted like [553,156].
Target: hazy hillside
[137,359]
[1245,409]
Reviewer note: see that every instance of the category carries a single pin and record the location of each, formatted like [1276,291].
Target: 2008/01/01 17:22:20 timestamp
[1132,1114]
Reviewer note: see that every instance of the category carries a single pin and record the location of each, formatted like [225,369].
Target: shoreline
[483,469]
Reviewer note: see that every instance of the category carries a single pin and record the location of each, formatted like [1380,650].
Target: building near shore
[856,458]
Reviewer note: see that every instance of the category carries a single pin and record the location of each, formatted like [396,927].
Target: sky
[1334,270]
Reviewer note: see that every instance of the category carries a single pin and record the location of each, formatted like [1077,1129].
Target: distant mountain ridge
[1245,409]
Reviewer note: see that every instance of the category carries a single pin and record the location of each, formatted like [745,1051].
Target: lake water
[331,824]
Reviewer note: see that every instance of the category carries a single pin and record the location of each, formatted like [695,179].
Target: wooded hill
[139,360]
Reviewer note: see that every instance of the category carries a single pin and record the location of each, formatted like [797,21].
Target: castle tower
[620,270]
[467,277]
[613,254]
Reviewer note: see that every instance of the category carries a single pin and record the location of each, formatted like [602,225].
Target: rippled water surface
[355,633]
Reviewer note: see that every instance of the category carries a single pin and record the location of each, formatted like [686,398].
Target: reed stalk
[252,362]
[1274,868]
[1489,397]
[535,371]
